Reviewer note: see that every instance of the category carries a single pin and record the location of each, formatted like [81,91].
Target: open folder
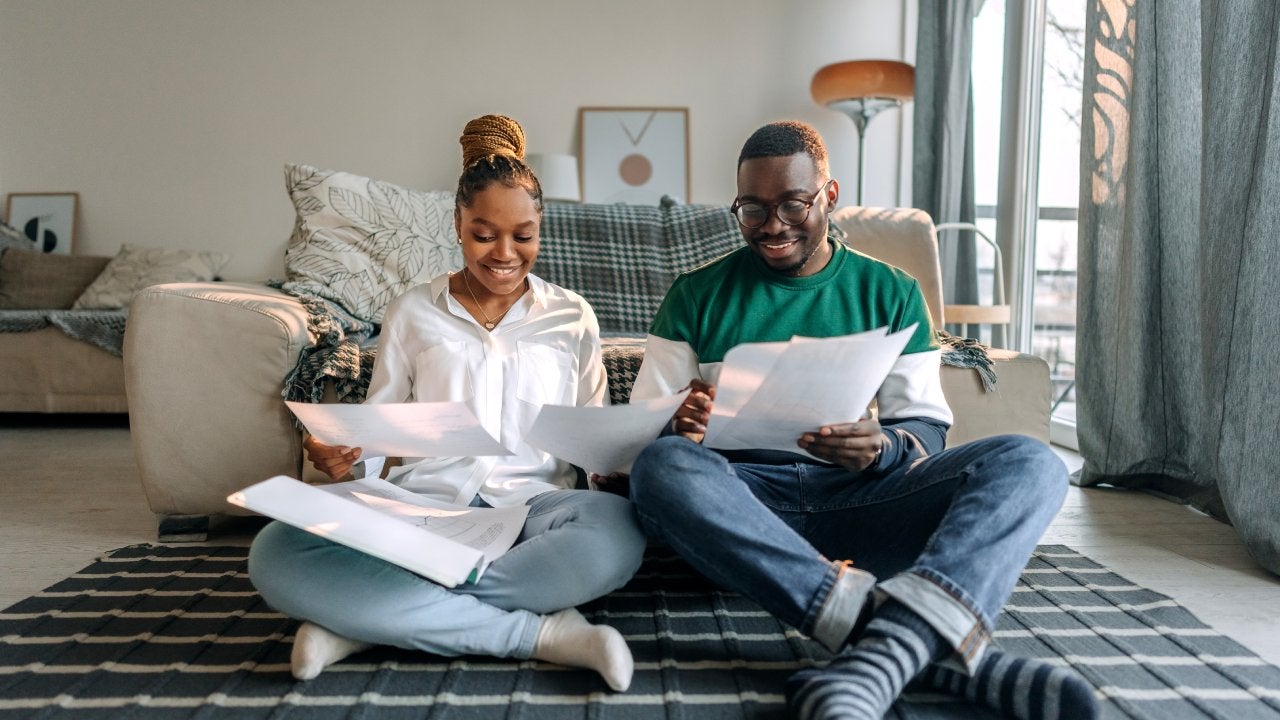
[445,543]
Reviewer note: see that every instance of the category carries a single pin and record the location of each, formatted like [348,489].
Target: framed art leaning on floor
[634,155]
[48,220]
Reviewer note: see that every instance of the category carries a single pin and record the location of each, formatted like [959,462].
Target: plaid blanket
[623,258]
[102,328]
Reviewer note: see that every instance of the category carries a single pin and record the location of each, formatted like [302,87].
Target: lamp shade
[862,89]
[855,79]
[558,175]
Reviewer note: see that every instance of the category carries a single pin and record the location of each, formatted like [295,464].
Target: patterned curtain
[1178,311]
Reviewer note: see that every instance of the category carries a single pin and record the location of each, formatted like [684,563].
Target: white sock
[315,649]
[566,638]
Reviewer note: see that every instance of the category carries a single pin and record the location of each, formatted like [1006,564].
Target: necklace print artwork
[489,323]
[636,169]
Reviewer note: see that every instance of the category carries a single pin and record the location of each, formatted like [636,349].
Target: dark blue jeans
[948,535]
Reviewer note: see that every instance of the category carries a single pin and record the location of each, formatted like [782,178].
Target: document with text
[446,543]
[427,429]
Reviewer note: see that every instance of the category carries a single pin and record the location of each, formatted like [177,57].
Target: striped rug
[154,632]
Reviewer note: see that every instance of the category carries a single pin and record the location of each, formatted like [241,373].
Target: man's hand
[332,460]
[691,418]
[855,446]
[616,483]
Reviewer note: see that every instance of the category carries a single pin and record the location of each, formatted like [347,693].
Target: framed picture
[48,220]
[634,154]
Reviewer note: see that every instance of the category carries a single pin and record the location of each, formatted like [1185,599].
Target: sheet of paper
[743,370]
[364,528]
[601,439]
[429,429]
[492,531]
[810,383]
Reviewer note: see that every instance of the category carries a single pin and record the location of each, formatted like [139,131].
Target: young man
[890,551]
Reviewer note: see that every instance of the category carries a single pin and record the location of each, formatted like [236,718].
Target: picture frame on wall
[48,220]
[634,155]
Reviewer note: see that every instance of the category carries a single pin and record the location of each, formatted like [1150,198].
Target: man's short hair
[785,138]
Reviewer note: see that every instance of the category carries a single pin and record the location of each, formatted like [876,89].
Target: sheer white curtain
[1179,309]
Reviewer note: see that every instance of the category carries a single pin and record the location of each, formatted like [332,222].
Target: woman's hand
[332,460]
[691,418]
[616,483]
[854,446]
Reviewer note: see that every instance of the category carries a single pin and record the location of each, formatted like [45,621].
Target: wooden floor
[69,491]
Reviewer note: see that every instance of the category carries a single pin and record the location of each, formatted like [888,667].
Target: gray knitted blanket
[341,352]
[101,328]
[968,353]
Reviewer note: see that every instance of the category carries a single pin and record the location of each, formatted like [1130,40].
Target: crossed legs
[521,607]
[950,535]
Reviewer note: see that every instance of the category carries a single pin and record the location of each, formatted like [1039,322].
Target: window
[1055,100]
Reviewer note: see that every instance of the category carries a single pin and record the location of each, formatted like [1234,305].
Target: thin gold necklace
[489,323]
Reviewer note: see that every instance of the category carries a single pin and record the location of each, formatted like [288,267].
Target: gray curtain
[942,166]
[1179,296]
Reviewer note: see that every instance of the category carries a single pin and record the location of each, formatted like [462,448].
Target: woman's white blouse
[545,350]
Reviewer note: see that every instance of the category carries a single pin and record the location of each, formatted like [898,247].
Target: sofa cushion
[360,242]
[31,280]
[136,267]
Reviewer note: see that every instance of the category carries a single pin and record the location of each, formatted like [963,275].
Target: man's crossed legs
[892,572]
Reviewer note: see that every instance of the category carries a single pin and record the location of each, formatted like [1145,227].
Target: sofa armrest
[1019,403]
[204,368]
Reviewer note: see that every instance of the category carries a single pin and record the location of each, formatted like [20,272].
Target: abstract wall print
[48,220]
[634,155]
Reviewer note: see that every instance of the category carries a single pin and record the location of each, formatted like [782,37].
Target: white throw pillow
[136,267]
[361,242]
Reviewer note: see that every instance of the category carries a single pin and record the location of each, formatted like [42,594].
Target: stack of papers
[767,396]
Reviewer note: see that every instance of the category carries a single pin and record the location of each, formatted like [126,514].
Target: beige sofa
[205,364]
[45,370]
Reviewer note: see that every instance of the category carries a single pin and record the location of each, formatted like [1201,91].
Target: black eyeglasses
[752,214]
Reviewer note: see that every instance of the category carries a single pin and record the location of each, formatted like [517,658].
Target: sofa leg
[183,528]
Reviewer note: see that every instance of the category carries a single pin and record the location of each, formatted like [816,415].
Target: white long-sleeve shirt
[545,350]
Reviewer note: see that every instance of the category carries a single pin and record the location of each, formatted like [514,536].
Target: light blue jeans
[949,534]
[576,546]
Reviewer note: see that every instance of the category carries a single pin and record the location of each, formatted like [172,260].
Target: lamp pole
[861,110]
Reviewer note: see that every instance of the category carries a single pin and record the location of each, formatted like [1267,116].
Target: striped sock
[865,679]
[1017,687]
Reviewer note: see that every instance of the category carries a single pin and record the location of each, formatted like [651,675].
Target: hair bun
[491,135]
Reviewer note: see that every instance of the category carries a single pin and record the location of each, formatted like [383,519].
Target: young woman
[505,342]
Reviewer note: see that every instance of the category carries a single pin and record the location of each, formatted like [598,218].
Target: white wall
[173,118]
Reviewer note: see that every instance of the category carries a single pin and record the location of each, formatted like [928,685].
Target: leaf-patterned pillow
[12,239]
[361,242]
[136,267]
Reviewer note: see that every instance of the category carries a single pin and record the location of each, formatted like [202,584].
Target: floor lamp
[861,89]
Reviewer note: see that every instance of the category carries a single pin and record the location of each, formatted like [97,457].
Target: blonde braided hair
[493,151]
[490,135]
